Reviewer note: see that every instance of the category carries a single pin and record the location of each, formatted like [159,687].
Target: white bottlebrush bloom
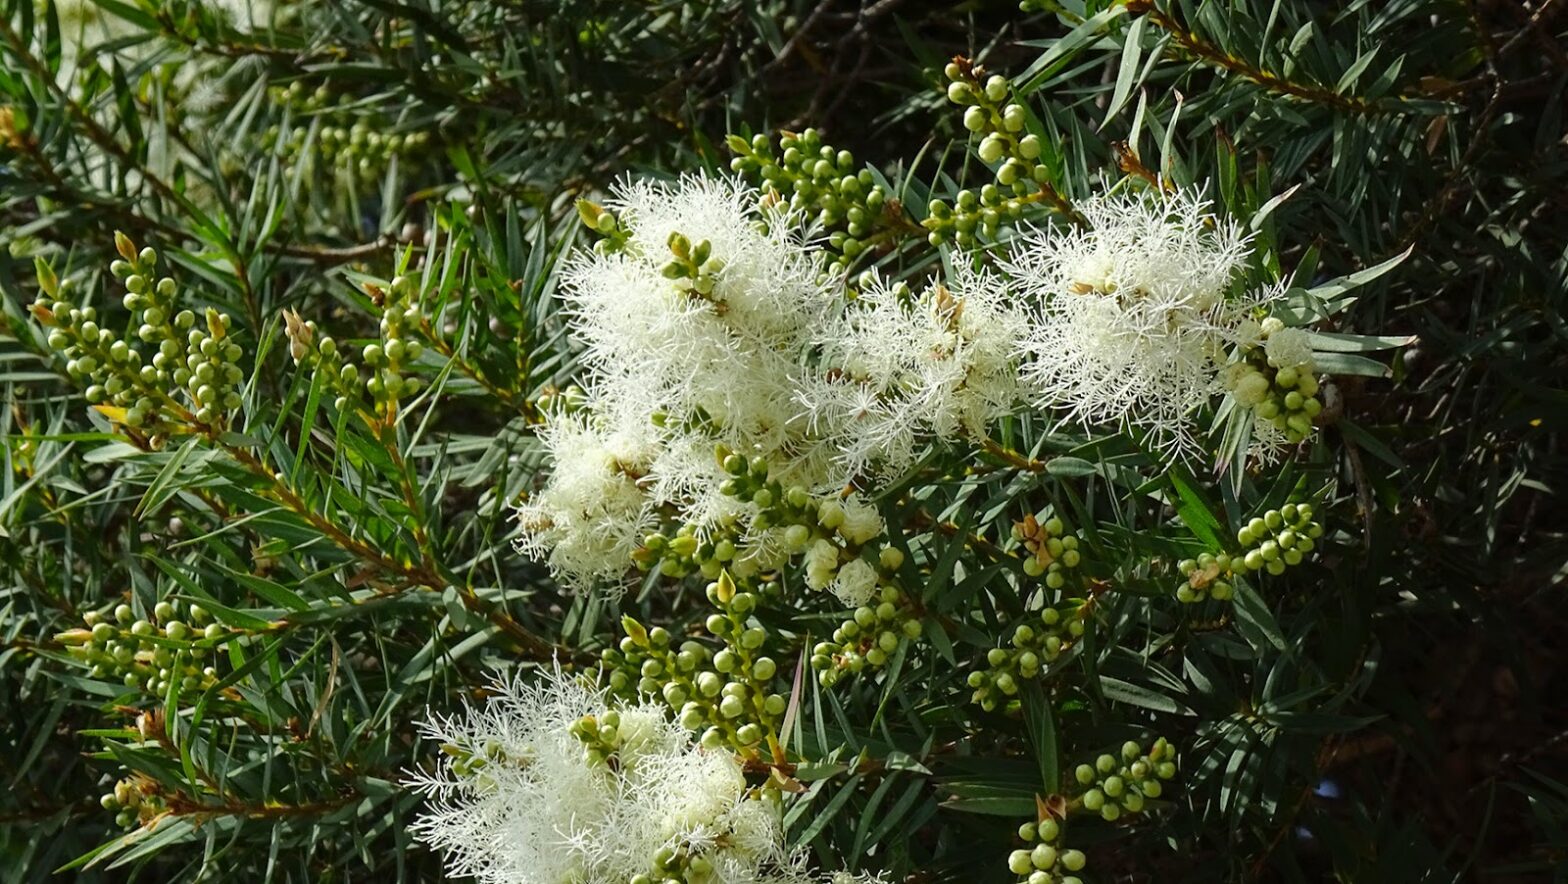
[712,356]
[724,357]
[855,584]
[517,800]
[1134,311]
[899,370]
[595,508]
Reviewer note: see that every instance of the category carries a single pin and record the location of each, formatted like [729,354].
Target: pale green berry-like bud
[1073,860]
[1094,799]
[996,87]
[1043,856]
[1018,862]
[975,119]
[958,92]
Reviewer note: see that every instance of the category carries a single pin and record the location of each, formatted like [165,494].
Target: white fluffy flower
[595,509]
[534,809]
[1134,311]
[898,370]
[726,356]
[856,583]
[1288,348]
[714,362]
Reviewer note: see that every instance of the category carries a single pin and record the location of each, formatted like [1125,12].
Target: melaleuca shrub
[753,419]
[442,454]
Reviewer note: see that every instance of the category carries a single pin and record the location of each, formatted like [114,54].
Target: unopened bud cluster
[728,695]
[600,735]
[1044,860]
[689,551]
[1207,577]
[1052,550]
[318,352]
[1278,382]
[869,637]
[360,146]
[612,236]
[131,802]
[1034,646]
[1005,145]
[561,400]
[469,763]
[185,368]
[166,652]
[693,268]
[1272,542]
[1278,539]
[819,182]
[1123,785]
[677,865]
[388,360]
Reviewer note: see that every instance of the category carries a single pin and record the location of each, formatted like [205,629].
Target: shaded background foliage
[1407,725]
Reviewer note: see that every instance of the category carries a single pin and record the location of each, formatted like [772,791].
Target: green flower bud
[1018,862]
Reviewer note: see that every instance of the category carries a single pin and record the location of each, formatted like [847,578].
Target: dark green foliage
[1389,711]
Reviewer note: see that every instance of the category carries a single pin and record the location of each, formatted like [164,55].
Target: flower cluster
[551,782]
[899,368]
[1135,312]
[693,316]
